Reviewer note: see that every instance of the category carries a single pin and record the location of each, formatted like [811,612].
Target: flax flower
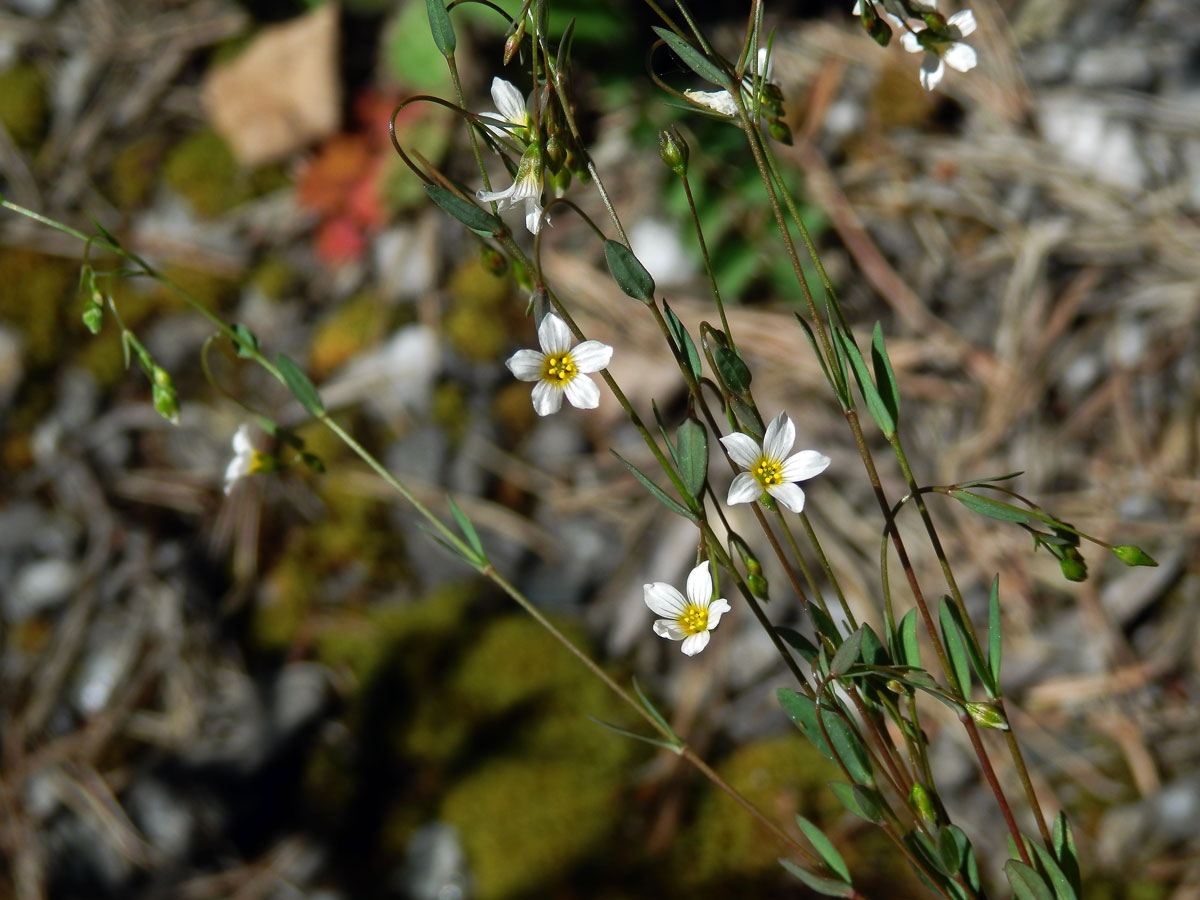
[769,468]
[526,187]
[510,108]
[688,619]
[559,369]
[246,459]
[722,102]
[942,50]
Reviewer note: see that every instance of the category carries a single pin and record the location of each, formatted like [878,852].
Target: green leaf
[693,58]
[245,339]
[991,479]
[847,654]
[692,441]
[885,378]
[650,708]
[467,529]
[952,846]
[849,749]
[631,276]
[439,24]
[875,405]
[908,639]
[683,341]
[644,738]
[1064,849]
[454,551]
[978,663]
[824,847]
[827,887]
[1063,889]
[300,386]
[658,493]
[839,383]
[468,213]
[985,506]
[955,647]
[863,802]
[732,370]
[994,635]
[797,642]
[1026,883]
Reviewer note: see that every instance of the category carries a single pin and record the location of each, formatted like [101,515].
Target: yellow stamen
[694,619]
[768,472]
[559,369]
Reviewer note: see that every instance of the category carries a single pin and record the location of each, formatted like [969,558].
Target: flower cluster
[939,38]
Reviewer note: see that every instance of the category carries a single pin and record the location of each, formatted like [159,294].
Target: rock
[39,587]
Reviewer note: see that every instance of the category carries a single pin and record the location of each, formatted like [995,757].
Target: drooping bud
[674,151]
[987,715]
[513,44]
[1133,555]
[921,800]
[1073,565]
[779,131]
[162,391]
[556,153]
[758,586]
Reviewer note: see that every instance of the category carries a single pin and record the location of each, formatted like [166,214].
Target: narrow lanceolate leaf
[952,846]
[300,386]
[824,847]
[826,887]
[843,743]
[652,709]
[885,378]
[835,377]
[798,642]
[847,654]
[908,639]
[1064,849]
[693,58]
[955,648]
[990,479]
[246,341]
[986,506]
[658,493]
[468,213]
[870,394]
[732,370]
[994,635]
[439,24]
[978,663]
[1063,889]
[645,739]
[467,529]
[862,801]
[683,341]
[631,276]
[1026,883]
[692,442]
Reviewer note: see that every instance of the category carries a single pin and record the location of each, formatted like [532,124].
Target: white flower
[890,16]
[244,458]
[688,619]
[510,106]
[767,469]
[560,368]
[720,101]
[942,51]
[527,186]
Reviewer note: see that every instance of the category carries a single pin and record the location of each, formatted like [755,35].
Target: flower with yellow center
[246,459]
[688,619]
[768,468]
[560,369]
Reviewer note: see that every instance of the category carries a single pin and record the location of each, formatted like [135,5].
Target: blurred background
[290,691]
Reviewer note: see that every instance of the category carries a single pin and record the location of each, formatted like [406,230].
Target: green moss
[202,169]
[23,104]
[524,822]
[282,605]
[134,171]
[476,323]
[34,290]
[450,410]
[355,325]
[274,277]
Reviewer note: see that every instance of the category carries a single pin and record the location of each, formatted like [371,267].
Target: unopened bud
[1133,556]
[556,153]
[513,44]
[758,586]
[674,150]
[162,391]
[779,131]
[987,716]
[1073,565]
[93,317]
[921,800]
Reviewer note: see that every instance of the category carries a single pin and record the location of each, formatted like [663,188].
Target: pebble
[39,587]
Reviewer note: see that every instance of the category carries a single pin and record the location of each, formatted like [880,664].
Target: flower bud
[162,391]
[93,317]
[674,151]
[1132,555]
[556,153]
[513,44]
[1073,565]
[921,800]
[779,131]
[986,715]
[758,586]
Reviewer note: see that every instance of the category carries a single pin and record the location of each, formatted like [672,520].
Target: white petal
[591,356]
[669,629]
[508,101]
[762,68]
[857,11]
[742,448]
[533,215]
[717,609]
[547,398]
[238,468]
[909,41]
[699,585]
[526,365]
[664,600]
[554,335]
[582,392]
[804,465]
[780,436]
[717,101]
[504,197]
[960,57]
[241,441]
[932,71]
[694,643]
[745,489]
[964,21]
[790,495]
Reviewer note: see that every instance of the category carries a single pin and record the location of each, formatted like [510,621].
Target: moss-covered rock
[201,168]
[476,323]
[34,291]
[23,104]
